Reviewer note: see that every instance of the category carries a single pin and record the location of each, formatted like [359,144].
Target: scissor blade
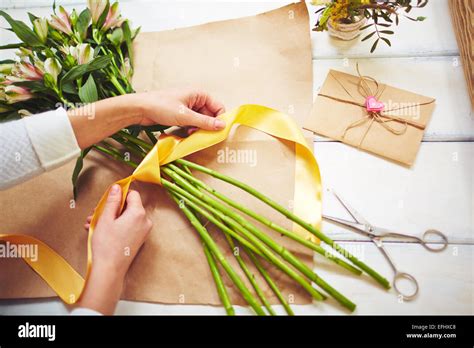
[357,217]
[360,228]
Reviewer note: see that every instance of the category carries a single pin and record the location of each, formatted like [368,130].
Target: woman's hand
[180,108]
[95,122]
[115,243]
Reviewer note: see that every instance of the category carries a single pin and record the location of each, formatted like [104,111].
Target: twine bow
[372,116]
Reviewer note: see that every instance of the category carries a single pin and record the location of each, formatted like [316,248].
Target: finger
[89,219]
[193,118]
[87,226]
[205,111]
[205,101]
[134,200]
[112,205]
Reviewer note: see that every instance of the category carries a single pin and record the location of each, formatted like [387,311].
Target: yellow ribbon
[69,284]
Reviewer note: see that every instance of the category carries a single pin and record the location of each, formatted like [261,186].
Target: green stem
[133,148]
[221,289]
[269,281]
[283,252]
[307,243]
[143,144]
[267,253]
[115,154]
[220,257]
[250,276]
[379,278]
[117,84]
[151,136]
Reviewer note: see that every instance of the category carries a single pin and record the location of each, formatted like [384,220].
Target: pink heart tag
[372,104]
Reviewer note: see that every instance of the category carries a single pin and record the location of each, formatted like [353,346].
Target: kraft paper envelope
[338,113]
[274,70]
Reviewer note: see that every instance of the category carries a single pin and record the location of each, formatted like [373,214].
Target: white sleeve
[35,144]
[84,311]
[53,138]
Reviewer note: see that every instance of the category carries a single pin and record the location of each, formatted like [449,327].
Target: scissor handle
[402,275]
[439,247]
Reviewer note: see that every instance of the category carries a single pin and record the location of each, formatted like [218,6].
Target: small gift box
[360,111]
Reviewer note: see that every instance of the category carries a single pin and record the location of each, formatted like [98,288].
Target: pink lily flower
[27,71]
[96,7]
[61,22]
[114,19]
[15,94]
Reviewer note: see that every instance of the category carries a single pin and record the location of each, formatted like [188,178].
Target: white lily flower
[52,67]
[83,53]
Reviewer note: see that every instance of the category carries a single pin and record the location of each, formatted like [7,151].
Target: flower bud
[40,26]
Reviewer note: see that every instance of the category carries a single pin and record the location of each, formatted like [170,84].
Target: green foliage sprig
[381,15]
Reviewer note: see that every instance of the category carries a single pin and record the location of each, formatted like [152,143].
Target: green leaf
[78,168]
[32,17]
[368,36]
[88,92]
[374,46]
[366,26]
[127,35]
[103,16]
[11,46]
[83,23]
[79,70]
[7,61]
[21,30]
[387,41]
[69,88]
[388,32]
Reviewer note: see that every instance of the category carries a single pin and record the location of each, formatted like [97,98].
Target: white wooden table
[437,192]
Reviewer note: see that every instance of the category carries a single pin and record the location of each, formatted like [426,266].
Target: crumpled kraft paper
[262,59]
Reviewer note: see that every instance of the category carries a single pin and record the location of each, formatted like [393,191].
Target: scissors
[377,234]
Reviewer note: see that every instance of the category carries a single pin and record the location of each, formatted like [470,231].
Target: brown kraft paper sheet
[274,70]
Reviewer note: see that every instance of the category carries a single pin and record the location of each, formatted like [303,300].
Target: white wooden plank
[437,192]
[445,280]
[26,4]
[434,36]
[439,77]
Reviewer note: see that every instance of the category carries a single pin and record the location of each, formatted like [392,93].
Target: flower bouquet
[345,19]
[76,58]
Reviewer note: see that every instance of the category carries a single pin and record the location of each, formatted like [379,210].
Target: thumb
[112,205]
[203,121]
